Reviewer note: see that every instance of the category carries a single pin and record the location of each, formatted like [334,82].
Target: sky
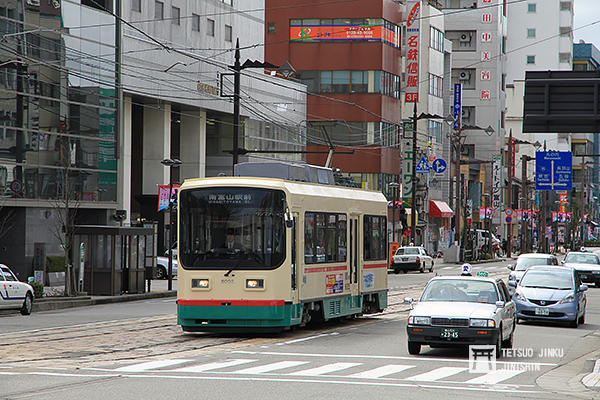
[587,12]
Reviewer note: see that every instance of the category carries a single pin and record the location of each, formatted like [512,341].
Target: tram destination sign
[553,170]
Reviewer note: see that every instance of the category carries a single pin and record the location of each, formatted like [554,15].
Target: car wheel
[582,318]
[498,344]
[574,323]
[161,272]
[508,343]
[405,271]
[414,348]
[397,271]
[27,305]
[422,269]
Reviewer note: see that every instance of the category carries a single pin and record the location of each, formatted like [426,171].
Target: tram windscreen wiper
[244,255]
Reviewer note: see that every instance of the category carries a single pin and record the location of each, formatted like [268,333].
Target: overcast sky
[587,12]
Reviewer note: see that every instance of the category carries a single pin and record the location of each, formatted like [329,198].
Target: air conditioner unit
[466,113]
[464,75]
[465,37]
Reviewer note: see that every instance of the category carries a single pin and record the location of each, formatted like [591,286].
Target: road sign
[553,170]
[439,165]
[508,220]
[508,211]
[423,166]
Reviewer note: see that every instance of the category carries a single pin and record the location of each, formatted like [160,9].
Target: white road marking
[448,267]
[212,366]
[496,376]
[150,365]
[438,373]
[324,369]
[306,338]
[270,367]
[593,379]
[382,371]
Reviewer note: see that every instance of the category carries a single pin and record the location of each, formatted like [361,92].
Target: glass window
[325,84]
[531,33]
[375,243]
[341,82]
[175,16]
[159,8]
[136,5]
[210,27]
[566,6]
[435,85]
[530,60]
[565,31]
[271,27]
[196,22]
[564,57]
[359,82]
[531,7]
[311,80]
[324,237]
[436,39]
[228,33]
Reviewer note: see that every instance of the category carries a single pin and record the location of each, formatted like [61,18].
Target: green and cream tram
[263,254]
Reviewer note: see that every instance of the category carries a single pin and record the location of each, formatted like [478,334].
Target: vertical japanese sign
[413,24]
[407,162]
[496,181]
[457,104]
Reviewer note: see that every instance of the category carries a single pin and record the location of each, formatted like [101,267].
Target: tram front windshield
[231,228]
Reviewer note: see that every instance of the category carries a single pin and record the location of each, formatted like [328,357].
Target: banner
[163,196]
[413,24]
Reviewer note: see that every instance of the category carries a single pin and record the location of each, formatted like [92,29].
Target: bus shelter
[112,260]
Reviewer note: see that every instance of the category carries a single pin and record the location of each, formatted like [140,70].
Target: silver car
[411,258]
[460,311]
[162,267]
[586,264]
[14,294]
[527,260]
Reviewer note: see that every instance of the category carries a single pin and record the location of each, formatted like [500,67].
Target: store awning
[439,209]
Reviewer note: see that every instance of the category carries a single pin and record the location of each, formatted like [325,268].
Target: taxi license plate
[542,311]
[404,258]
[449,333]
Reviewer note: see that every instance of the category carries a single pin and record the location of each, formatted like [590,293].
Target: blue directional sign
[553,170]
[439,165]
[423,166]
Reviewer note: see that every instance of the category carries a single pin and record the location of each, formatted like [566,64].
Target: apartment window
[468,115]
[564,57]
[435,85]
[566,31]
[196,22]
[531,7]
[566,6]
[271,27]
[136,5]
[210,27]
[159,10]
[435,130]
[531,33]
[530,60]
[230,2]
[228,33]
[436,39]
[175,16]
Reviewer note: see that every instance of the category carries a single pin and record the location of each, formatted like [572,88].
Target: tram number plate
[449,333]
[542,311]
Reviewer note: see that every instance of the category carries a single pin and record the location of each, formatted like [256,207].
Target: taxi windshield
[407,251]
[468,290]
[582,258]
[524,263]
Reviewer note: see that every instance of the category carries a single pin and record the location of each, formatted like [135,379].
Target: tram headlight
[255,283]
[200,283]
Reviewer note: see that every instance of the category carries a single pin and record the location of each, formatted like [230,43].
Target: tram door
[353,256]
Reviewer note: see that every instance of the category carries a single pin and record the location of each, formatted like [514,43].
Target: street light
[394,186]
[286,70]
[457,138]
[167,162]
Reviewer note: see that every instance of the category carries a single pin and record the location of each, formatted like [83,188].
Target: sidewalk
[158,288]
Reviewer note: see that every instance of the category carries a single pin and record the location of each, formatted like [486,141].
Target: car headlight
[570,298]
[414,320]
[200,283]
[255,283]
[483,323]
[519,296]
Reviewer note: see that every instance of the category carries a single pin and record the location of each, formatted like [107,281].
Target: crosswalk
[301,368]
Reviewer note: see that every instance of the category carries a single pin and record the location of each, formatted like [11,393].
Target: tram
[268,254]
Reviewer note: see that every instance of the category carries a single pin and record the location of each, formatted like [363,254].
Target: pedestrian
[514,244]
[505,246]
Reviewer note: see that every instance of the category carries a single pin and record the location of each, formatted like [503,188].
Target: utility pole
[542,231]
[509,193]
[413,219]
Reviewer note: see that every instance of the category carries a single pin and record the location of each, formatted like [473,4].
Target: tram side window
[324,237]
[374,235]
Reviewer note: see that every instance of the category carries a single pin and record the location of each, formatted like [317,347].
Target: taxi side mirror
[410,301]
[499,304]
[512,284]
[511,267]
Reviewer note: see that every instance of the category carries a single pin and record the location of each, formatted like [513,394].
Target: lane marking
[270,367]
[496,376]
[382,371]
[324,369]
[306,338]
[150,365]
[438,373]
[213,366]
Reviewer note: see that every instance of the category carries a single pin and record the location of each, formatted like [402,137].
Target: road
[136,350]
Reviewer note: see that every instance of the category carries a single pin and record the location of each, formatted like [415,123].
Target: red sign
[344,32]
[411,94]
